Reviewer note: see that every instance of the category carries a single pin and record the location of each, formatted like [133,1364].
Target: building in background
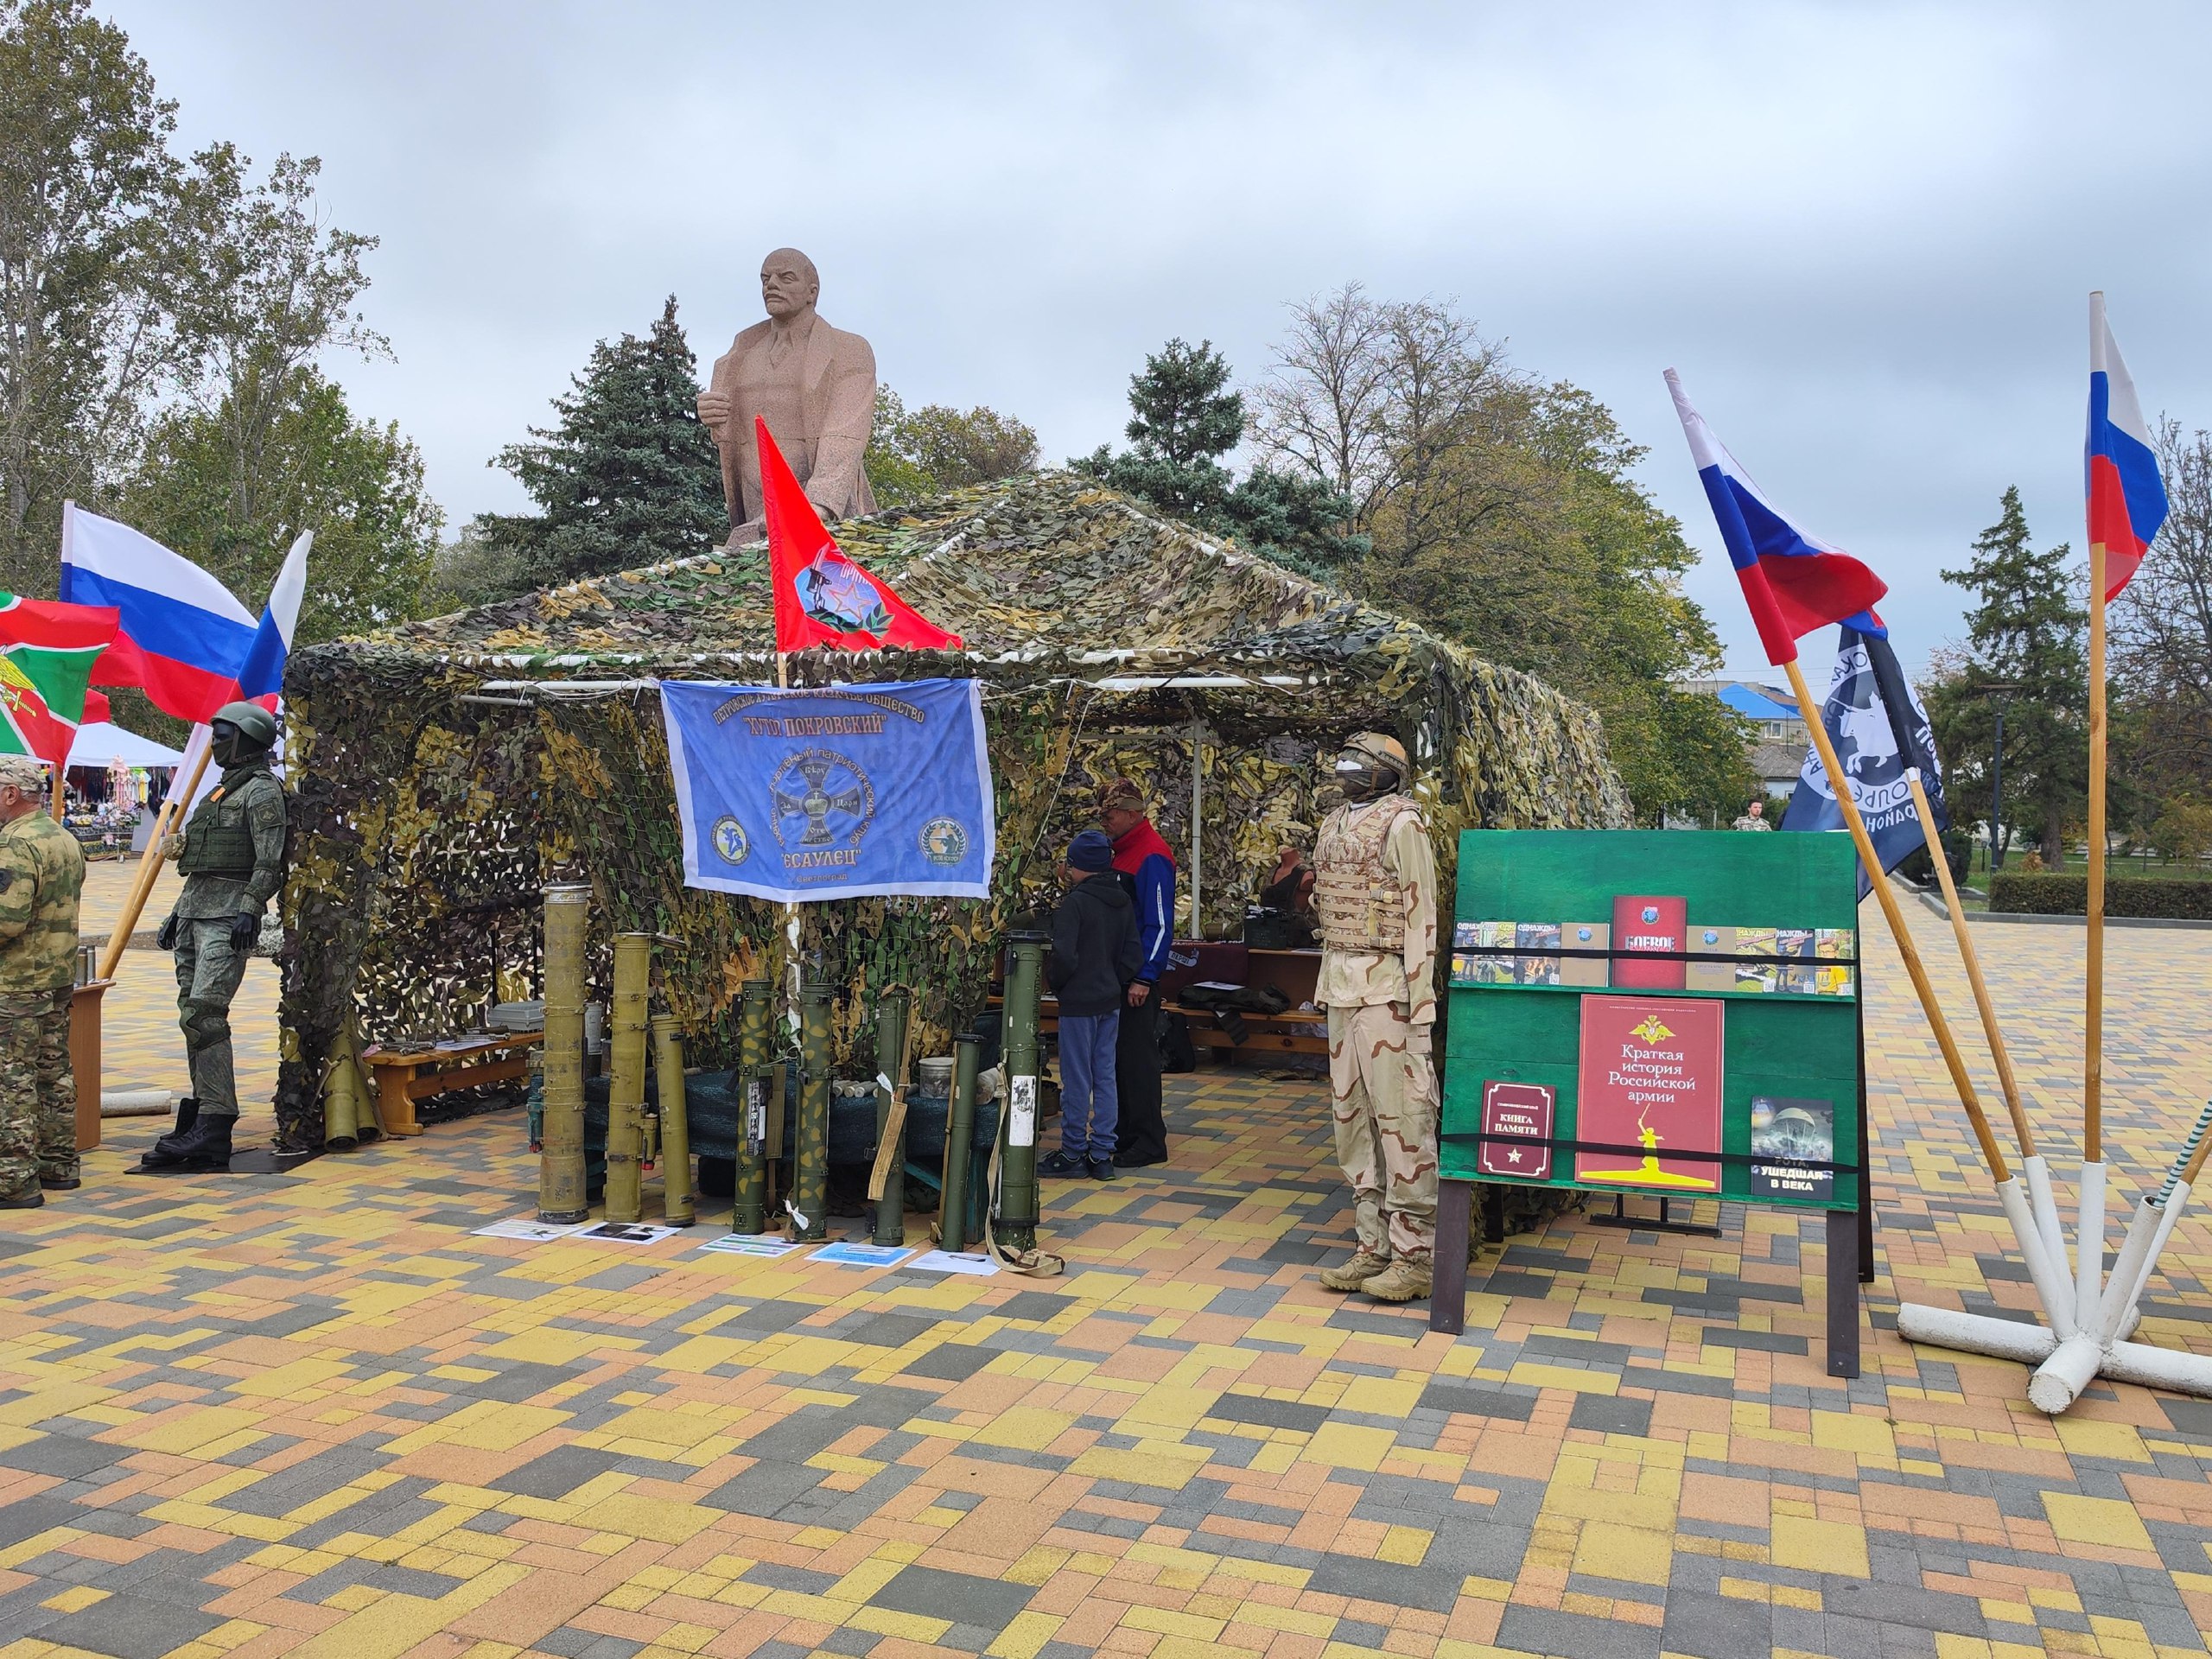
[1779,739]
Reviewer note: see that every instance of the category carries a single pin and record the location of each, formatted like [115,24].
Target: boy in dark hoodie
[1094,956]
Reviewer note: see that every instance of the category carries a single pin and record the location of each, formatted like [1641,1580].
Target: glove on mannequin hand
[166,938]
[244,930]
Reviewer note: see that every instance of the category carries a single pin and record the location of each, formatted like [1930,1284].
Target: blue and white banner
[1878,728]
[836,793]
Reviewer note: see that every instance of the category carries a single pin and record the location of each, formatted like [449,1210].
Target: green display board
[1794,1052]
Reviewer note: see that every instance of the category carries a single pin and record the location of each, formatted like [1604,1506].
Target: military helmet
[1381,749]
[255,724]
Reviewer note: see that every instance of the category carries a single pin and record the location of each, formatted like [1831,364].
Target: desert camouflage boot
[1404,1280]
[1355,1273]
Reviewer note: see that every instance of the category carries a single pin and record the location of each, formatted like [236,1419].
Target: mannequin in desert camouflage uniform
[1375,894]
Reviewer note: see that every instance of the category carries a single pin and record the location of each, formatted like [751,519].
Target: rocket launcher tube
[749,1211]
[676,1206]
[959,1143]
[810,1200]
[626,1090]
[561,1193]
[1017,1217]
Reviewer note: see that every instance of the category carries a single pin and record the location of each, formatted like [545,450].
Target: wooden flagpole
[1991,1155]
[2093,1070]
[2005,1080]
[149,868]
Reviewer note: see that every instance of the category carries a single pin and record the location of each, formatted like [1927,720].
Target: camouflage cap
[1123,794]
[27,772]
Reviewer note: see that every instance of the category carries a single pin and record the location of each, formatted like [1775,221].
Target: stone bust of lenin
[813,384]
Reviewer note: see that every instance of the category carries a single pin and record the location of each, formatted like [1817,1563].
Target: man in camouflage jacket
[1375,896]
[232,854]
[41,875]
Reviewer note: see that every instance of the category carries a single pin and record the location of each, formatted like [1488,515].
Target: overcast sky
[1863,233]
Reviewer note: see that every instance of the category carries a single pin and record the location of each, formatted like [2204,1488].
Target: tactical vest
[1361,906]
[218,841]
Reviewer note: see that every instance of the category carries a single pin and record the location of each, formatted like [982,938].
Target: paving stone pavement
[314,1414]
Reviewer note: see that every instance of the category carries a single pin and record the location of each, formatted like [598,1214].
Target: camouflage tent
[448,769]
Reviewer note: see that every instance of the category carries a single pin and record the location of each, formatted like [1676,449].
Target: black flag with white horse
[1879,729]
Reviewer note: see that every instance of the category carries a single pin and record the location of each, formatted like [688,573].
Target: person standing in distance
[1375,893]
[1147,873]
[41,877]
[232,854]
[1093,959]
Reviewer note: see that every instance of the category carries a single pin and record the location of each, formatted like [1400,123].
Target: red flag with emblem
[823,598]
[47,653]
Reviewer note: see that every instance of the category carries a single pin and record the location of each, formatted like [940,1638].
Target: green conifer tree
[1185,419]
[628,477]
[2025,647]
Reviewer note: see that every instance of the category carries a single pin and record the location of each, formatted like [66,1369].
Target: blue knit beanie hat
[1090,852]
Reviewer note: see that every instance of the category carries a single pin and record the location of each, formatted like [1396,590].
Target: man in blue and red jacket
[1148,870]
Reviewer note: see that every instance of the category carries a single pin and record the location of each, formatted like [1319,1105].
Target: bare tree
[1322,409]
[2162,625]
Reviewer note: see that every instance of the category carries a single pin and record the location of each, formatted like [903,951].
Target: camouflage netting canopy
[447,770]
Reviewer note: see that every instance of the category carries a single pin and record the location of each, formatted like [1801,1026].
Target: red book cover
[1650,1078]
[1518,1112]
[1645,924]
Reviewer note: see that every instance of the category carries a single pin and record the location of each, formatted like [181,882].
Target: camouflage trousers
[1384,1102]
[38,1091]
[208,970]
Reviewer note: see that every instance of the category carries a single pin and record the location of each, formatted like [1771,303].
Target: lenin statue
[813,384]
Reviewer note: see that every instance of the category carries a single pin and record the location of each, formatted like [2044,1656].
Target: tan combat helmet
[1382,749]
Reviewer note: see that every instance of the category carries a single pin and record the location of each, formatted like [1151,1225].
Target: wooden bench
[405,1076]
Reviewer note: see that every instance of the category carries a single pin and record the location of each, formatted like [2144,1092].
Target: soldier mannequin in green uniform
[41,874]
[232,854]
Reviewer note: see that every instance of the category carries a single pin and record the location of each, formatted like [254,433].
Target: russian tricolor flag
[183,635]
[2127,502]
[261,677]
[1793,583]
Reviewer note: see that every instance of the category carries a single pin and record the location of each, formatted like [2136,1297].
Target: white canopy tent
[101,744]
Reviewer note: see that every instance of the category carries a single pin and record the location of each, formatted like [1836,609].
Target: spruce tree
[2025,648]
[1185,419]
[628,476]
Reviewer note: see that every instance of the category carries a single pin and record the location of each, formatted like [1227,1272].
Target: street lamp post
[1997,794]
[1997,689]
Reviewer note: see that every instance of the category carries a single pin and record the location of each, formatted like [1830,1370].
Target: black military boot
[206,1146]
[187,1111]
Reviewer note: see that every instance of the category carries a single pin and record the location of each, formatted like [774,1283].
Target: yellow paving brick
[2089,1438]
[1350,1445]
[2103,1521]
[1814,1546]
[1869,1437]
[1638,1554]
[1026,1428]
[1149,1463]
